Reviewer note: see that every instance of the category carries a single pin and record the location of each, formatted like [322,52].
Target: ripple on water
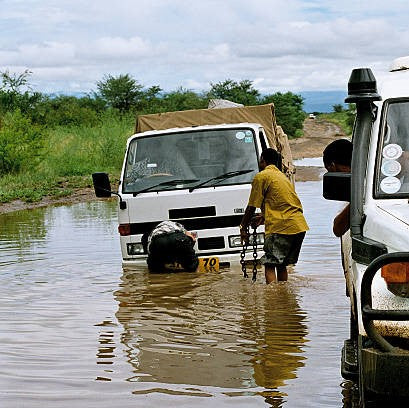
[76,329]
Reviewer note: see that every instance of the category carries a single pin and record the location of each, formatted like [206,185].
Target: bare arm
[341,222]
[245,222]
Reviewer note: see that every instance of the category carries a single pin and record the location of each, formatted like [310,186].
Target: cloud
[117,48]
[278,44]
[40,55]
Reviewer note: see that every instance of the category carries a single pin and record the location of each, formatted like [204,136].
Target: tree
[150,100]
[338,108]
[12,96]
[239,92]
[289,111]
[121,92]
[182,99]
[13,82]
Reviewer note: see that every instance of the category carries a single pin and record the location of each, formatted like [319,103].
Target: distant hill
[322,101]
[76,94]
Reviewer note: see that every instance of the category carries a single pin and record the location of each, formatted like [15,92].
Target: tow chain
[243,255]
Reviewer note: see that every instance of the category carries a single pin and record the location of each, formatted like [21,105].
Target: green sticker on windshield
[248,139]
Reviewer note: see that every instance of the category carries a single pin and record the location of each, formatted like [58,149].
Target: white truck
[194,167]
[376,250]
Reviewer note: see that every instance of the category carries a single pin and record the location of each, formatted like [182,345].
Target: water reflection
[214,330]
[275,320]
[22,234]
[77,330]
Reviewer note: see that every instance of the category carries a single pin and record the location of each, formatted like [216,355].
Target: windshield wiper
[166,183]
[220,178]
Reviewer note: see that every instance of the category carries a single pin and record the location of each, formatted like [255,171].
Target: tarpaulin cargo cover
[262,114]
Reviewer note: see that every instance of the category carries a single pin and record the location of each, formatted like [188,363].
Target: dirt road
[317,134]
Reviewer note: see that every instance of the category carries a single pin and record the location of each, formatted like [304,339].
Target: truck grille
[192,224]
[210,243]
[194,212]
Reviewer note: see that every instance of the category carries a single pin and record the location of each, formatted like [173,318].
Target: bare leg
[270,274]
[282,274]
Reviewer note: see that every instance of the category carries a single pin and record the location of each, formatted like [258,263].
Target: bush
[67,111]
[81,150]
[26,102]
[21,143]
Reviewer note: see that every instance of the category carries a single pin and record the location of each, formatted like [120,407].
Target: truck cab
[199,177]
[376,249]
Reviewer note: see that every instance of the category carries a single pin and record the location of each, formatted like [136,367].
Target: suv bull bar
[368,313]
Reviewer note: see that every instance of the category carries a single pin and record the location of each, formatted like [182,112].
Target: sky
[279,45]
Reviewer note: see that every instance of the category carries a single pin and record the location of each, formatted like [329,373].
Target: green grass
[33,187]
[71,156]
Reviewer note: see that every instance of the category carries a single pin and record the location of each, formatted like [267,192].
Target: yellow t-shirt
[275,195]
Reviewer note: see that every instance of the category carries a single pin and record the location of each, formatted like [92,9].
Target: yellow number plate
[209,264]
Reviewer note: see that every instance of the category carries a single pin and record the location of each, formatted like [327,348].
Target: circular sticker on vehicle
[392,151]
[390,185]
[240,135]
[249,133]
[390,168]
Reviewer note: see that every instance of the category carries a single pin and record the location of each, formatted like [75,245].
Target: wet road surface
[78,330]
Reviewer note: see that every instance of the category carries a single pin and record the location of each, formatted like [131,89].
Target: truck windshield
[392,171]
[191,157]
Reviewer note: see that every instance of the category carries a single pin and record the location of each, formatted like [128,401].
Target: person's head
[270,156]
[337,156]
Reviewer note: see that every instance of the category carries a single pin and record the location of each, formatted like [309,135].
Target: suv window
[392,168]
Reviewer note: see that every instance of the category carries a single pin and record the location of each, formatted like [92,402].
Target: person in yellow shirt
[282,213]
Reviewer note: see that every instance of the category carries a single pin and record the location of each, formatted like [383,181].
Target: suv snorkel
[362,91]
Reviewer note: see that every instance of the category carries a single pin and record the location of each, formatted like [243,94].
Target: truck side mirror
[102,186]
[337,186]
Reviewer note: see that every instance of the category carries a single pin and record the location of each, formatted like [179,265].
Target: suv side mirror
[337,186]
[102,186]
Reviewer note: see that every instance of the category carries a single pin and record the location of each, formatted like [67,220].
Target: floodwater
[76,330]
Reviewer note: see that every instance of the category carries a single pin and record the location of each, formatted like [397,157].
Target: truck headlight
[135,249]
[235,240]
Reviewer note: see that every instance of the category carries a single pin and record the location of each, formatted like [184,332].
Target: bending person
[169,247]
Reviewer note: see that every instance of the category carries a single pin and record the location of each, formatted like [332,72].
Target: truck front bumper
[226,259]
[386,374]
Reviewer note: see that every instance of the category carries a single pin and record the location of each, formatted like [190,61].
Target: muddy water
[77,330]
